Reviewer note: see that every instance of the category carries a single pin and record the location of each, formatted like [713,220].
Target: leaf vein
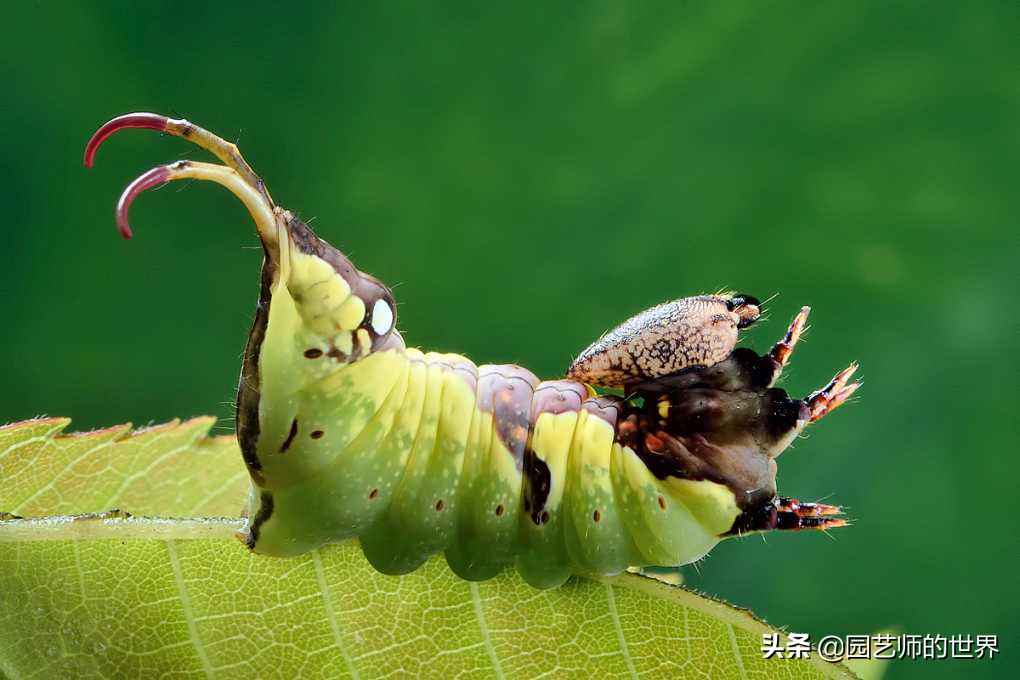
[327,601]
[736,651]
[611,599]
[484,627]
[196,641]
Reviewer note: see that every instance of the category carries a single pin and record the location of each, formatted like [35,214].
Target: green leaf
[133,596]
[174,469]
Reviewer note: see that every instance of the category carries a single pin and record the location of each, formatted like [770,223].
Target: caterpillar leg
[788,514]
[833,395]
[802,509]
[782,351]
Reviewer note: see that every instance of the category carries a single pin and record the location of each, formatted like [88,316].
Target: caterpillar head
[727,423]
[666,339]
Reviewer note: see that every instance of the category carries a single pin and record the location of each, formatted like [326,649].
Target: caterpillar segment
[347,433]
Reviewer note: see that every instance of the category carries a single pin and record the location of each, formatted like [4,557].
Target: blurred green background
[528,177]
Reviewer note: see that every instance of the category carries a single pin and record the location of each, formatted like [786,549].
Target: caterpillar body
[347,433]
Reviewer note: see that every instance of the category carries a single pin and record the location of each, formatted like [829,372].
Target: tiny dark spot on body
[317,434]
[313,353]
[372,494]
[662,502]
[545,516]
[499,511]
[290,437]
[596,515]
[439,505]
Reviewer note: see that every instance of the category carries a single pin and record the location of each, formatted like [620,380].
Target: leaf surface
[175,469]
[116,596]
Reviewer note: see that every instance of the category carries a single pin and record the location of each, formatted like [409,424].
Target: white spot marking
[382,317]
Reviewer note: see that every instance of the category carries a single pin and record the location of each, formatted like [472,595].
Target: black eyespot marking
[373,494]
[439,505]
[596,515]
[313,353]
[499,511]
[317,434]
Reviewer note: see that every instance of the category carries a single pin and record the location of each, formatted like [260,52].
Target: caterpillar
[347,433]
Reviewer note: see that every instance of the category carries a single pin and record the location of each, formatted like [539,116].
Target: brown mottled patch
[557,396]
[506,391]
[693,331]
[606,407]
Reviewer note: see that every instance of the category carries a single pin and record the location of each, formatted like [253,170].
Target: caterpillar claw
[833,395]
[226,151]
[155,177]
[143,120]
[254,198]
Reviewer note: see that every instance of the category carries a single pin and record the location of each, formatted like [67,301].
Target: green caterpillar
[347,433]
